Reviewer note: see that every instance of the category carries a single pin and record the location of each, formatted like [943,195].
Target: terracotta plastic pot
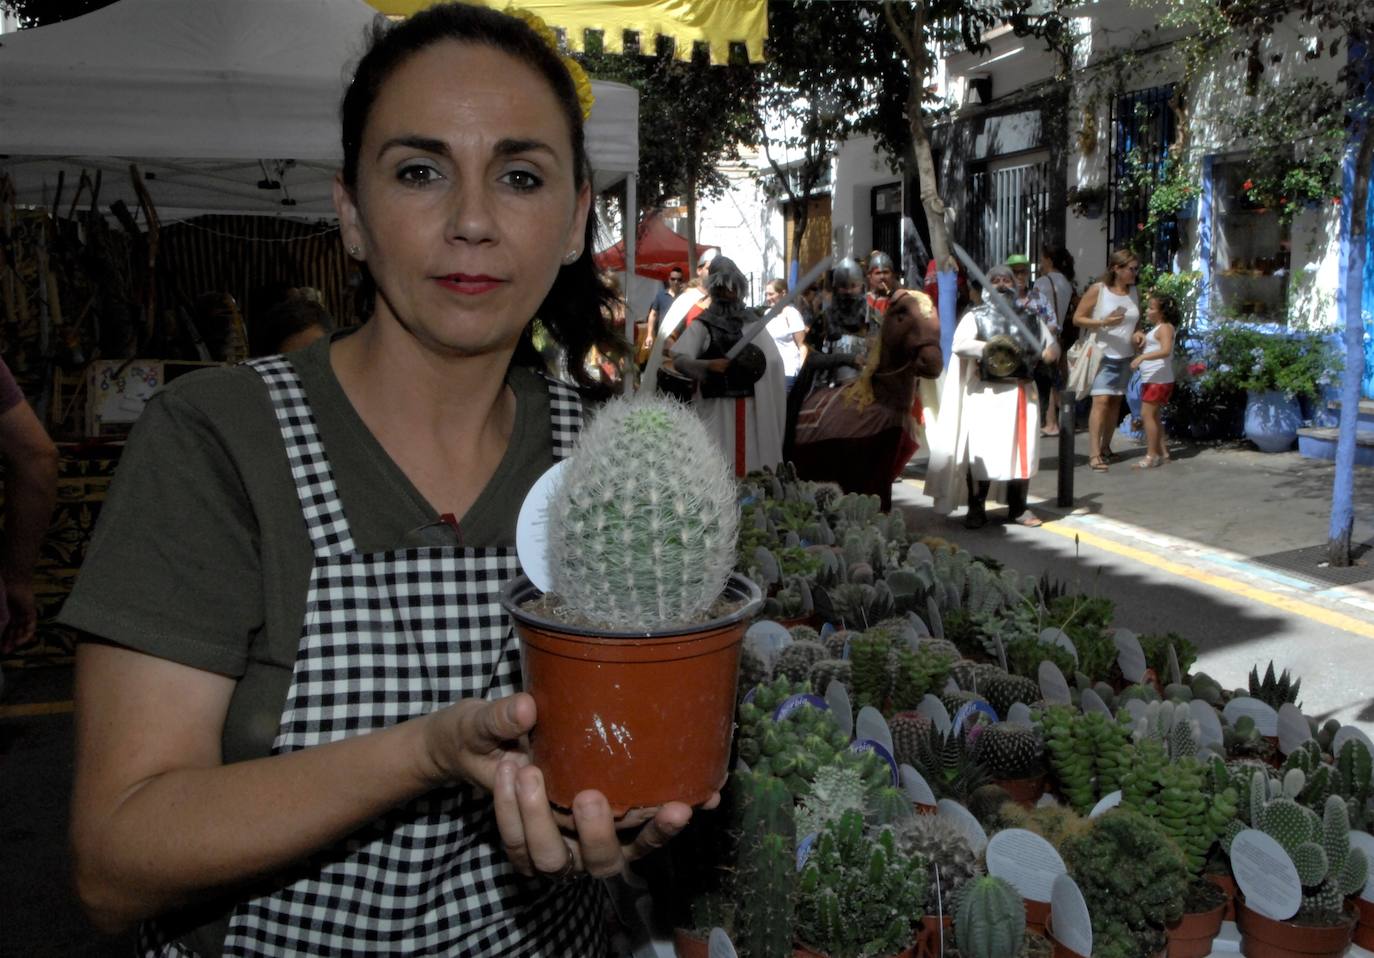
[1023,791]
[1227,884]
[791,623]
[644,719]
[1364,931]
[688,944]
[929,937]
[1262,937]
[1037,916]
[1191,936]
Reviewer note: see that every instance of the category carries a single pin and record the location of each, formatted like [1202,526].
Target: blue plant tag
[966,711]
[844,652]
[804,850]
[827,630]
[800,700]
[749,696]
[748,501]
[860,745]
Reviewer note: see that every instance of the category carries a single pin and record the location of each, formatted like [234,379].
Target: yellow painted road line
[34,708]
[1329,617]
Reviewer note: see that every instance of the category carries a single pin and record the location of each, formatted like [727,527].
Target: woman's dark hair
[294,314]
[1168,305]
[575,308]
[1060,257]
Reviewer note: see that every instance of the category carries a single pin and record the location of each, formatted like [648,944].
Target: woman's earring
[572,256]
[355,250]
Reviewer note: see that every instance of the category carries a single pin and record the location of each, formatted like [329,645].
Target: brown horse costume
[861,435]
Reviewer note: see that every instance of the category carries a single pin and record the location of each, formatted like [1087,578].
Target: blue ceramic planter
[1272,420]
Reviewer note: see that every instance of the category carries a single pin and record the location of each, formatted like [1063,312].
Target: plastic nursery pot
[929,938]
[688,944]
[1227,884]
[1364,930]
[1262,937]
[1037,916]
[1191,936]
[1023,791]
[790,623]
[643,718]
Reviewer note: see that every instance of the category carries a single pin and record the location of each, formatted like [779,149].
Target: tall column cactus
[642,528]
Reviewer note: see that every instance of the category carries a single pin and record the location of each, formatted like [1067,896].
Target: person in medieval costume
[741,400]
[882,280]
[838,341]
[988,426]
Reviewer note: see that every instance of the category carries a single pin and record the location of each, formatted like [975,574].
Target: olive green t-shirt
[201,554]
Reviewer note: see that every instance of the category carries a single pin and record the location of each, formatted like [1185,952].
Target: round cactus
[947,854]
[1004,691]
[908,730]
[796,660]
[1009,751]
[991,919]
[642,528]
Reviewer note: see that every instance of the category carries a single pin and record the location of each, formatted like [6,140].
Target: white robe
[990,426]
[764,414]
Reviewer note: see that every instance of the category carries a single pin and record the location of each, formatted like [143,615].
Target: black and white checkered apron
[388,637]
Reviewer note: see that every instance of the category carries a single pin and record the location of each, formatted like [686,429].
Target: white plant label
[962,819]
[919,624]
[1001,651]
[1092,702]
[1208,725]
[1365,842]
[1129,655]
[1020,714]
[1266,719]
[916,787]
[1026,860]
[1072,926]
[718,945]
[933,709]
[871,724]
[951,686]
[1266,874]
[1060,638]
[767,639]
[532,526]
[1175,673]
[1052,684]
[837,697]
[1344,734]
[1293,728]
[1136,709]
[1107,803]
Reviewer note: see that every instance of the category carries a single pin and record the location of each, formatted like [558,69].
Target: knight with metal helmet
[839,338]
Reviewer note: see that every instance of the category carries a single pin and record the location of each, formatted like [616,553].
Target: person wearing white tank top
[1156,366]
[1109,310]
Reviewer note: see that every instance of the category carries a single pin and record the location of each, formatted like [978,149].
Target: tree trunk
[1343,488]
[691,224]
[913,42]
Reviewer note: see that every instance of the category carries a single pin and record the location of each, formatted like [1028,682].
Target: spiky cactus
[1004,691]
[796,660]
[765,867]
[950,861]
[908,730]
[991,919]
[642,531]
[1274,690]
[1009,751]
[830,670]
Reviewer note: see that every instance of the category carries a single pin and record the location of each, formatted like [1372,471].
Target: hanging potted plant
[1088,200]
[633,653]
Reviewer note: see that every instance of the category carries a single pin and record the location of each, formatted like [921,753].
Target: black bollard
[1068,403]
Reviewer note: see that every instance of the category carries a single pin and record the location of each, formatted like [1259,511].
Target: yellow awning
[717,23]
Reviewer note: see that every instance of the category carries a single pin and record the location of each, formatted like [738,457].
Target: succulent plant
[1009,751]
[1087,753]
[795,661]
[632,547]
[1272,690]
[909,729]
[985,802]
[836,789]
[791,601]
[857,895]
[854,605]
[1056,824]
[950,861]
[991,919]
[1193,801]
[753,669]
[947,763]
[890,675]
[1243,740]
[1003,691]
[831,670]
[1134,881]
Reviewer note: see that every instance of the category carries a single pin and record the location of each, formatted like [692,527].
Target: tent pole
[631,226]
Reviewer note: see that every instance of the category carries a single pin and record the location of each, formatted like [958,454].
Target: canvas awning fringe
[716,23]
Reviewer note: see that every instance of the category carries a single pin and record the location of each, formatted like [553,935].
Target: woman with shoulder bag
[1109,309]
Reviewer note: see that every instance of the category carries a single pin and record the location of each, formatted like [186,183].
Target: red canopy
[657,250]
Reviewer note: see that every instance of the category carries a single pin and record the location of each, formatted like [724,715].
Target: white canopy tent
[214,100]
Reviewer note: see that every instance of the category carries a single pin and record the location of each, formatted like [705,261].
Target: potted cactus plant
[1014,758]
[990,921]
[632,655]
[950,865]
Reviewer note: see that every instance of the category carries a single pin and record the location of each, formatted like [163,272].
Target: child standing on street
[1156,366]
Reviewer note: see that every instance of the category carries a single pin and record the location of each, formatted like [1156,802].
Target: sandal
[1097,465]
[1029,520]
[1110,456]
[1149,462]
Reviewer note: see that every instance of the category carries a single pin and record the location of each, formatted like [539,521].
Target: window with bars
[1142,129]
[1009,201]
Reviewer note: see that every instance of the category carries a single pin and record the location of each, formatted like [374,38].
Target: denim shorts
[1112,377]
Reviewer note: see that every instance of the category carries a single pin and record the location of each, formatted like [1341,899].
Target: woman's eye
[522,180]
[417,174]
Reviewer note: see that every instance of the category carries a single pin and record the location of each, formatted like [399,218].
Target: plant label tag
[1001,651]
[804,850]
[1208,725]
[916,787]
[861,745]
[1107,803]
[1052,684]
[962,819]
[1175,673]
[1266,874]
[952,686]
[827,630]
[1293,728]
[1344,734]
[798,701]
[532,526]
[1060,638]
[918,553]
[871,724]
[919,624]
[1129,655]
[837,697]
[1092,702]
[718,945]
[967,713]
[1072,926]
[742,766]
[1020,714]
[933,709]
[937,624]
[1266,719]
[767,639]
[1136,709]
[1027,861]
[1365,842]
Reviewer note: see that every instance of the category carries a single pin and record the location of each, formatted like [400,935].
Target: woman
[1109,308]
[788,330]
[1055,287]
[296,732]
[1156,366]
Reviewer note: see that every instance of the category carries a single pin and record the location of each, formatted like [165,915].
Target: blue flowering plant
[1241,357]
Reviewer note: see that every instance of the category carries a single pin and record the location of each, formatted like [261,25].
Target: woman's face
[466,204]
[1126,274]
[771,295]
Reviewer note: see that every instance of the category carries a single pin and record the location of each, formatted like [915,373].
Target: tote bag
[1085,357]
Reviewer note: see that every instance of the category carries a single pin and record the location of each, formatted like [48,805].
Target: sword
[998,301]
[750,332]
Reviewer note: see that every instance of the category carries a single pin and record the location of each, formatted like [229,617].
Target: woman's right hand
[1116,317]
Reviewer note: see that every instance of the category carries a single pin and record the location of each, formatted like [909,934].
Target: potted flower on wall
[1088,200]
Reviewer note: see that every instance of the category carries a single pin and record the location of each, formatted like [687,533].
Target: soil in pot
[1262,937]
[1227,884]
[1191,936]
[644,719]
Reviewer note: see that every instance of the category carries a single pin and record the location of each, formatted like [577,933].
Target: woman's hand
[1116,317]
[1136,361]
